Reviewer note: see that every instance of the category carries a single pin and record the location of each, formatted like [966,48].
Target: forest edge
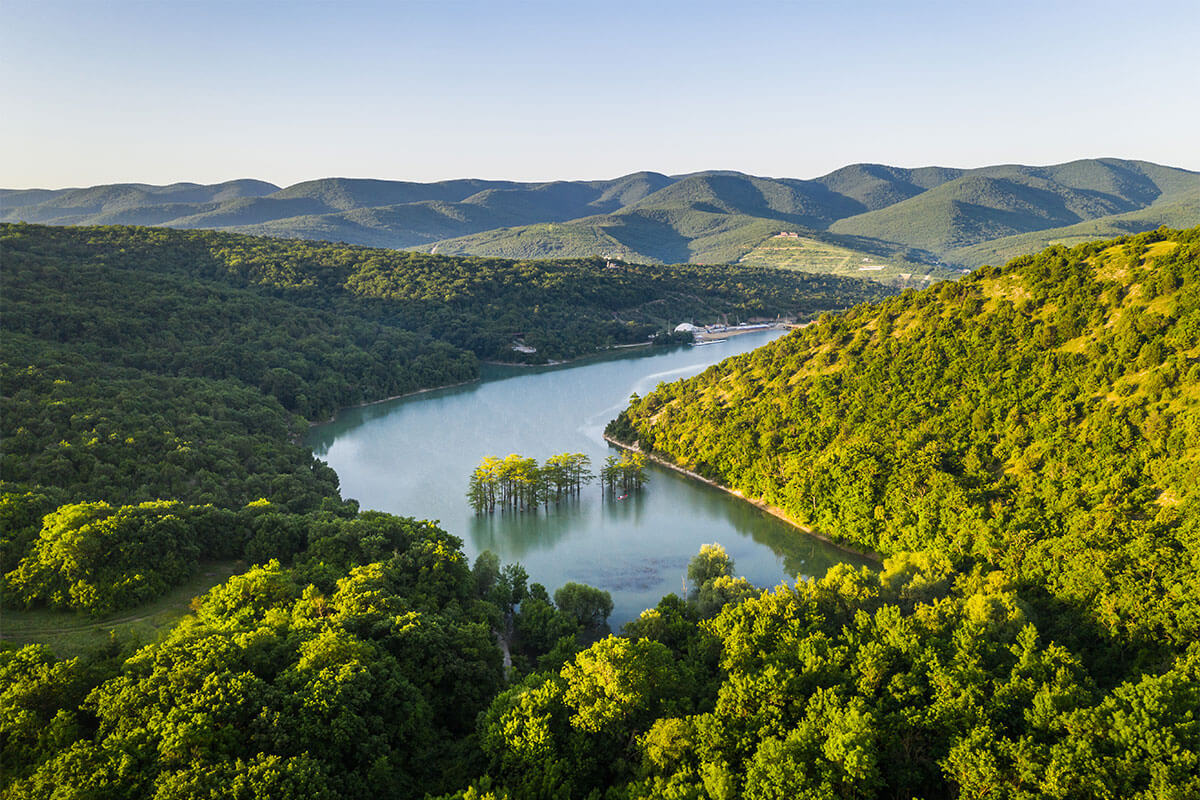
[774,511]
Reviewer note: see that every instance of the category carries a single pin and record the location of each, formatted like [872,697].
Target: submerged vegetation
[517,483]
[623,473]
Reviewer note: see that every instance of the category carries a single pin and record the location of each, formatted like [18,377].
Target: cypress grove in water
[517,483]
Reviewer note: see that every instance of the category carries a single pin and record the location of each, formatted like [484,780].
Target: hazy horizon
[211,91]
[572,179]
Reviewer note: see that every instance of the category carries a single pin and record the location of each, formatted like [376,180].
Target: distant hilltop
[891,224]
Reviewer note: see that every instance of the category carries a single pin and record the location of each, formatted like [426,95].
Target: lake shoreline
[560,362]
[334,417]
[729,333]
[774,511]
[700,339]
[477,379]
[598,354]
[414,458]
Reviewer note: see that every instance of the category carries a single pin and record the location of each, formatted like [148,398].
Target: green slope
[658,235]
[343,194]
[1177,213]
[81,206]
[876,186]
[998,202]
[390,214]
[805,203]
[399,226]
[827,256]
[648,235]
[1043,418]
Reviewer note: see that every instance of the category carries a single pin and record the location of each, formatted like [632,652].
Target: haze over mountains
[885,222]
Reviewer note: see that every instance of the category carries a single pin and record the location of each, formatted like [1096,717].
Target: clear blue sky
[207,90]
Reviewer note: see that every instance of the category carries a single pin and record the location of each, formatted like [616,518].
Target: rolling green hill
[923,221]
[658,235]
[997,202]
[806,203]
[87,206]
[1178,213]
[1043,418]
[646,235]
[876,186]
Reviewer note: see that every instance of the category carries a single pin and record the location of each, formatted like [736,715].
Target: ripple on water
[633,576]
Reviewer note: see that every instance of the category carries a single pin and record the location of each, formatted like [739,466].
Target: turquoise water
[413,457]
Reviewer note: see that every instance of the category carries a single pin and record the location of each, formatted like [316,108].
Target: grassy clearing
[1009,287]
[69,633]
[811,255]
[1159,249]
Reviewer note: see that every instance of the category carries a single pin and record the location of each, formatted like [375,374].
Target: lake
[413,457]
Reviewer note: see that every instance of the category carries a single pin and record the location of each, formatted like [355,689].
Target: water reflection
[516,533]
[413,456]
[803,556]
[321,437]
[627,509]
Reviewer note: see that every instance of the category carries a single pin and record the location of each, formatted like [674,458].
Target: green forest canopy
[1042,418]
[145,365]
[318,304]
[1023,446]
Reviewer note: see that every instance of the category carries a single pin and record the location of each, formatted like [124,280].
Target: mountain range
[889,223]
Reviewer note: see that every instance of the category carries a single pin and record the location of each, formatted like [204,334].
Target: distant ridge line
[929,219]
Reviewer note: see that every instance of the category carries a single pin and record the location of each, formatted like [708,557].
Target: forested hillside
[1024,446]
[176,369]
[1042,418]
[353,308]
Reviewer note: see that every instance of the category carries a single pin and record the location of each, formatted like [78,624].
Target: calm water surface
[413,457]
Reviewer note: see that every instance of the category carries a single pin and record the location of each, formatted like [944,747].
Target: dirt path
[90,626]
[71,627]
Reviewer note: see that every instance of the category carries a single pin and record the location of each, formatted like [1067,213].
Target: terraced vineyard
[790,250]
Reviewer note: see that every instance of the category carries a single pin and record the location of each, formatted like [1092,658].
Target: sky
[207,90]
